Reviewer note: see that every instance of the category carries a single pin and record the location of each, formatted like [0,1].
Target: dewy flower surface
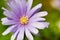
[23,19]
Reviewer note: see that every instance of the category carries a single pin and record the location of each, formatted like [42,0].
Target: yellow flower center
[24,20]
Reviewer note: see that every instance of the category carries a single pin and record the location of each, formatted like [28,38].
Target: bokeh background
[53,17]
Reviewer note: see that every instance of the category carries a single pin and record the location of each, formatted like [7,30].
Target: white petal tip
[2,23]
[36,32]
[3,33]
[46,13]
[47,24]
[3,8]
[2,19]
[40,4]
[12,38]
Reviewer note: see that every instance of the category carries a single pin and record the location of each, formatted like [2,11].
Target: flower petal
[37,19]
[33,29]
[4,8]
[8,30]
[6,21]
[20,6]
[14,7]
[24,6]
[40,14]
[33,10]
[28,34]
[17,7]
[21,34]
[40,25]
[29,5]
[10,14]
[15,34]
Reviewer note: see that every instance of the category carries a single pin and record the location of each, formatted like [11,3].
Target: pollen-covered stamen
[24,20]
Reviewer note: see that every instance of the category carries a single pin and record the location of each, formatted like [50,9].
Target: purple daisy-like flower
[23,19]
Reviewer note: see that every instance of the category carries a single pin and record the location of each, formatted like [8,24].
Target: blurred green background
[53,17]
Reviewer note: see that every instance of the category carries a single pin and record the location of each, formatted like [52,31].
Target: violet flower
[23,19]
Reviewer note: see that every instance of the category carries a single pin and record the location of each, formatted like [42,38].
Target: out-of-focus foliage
[53,17]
